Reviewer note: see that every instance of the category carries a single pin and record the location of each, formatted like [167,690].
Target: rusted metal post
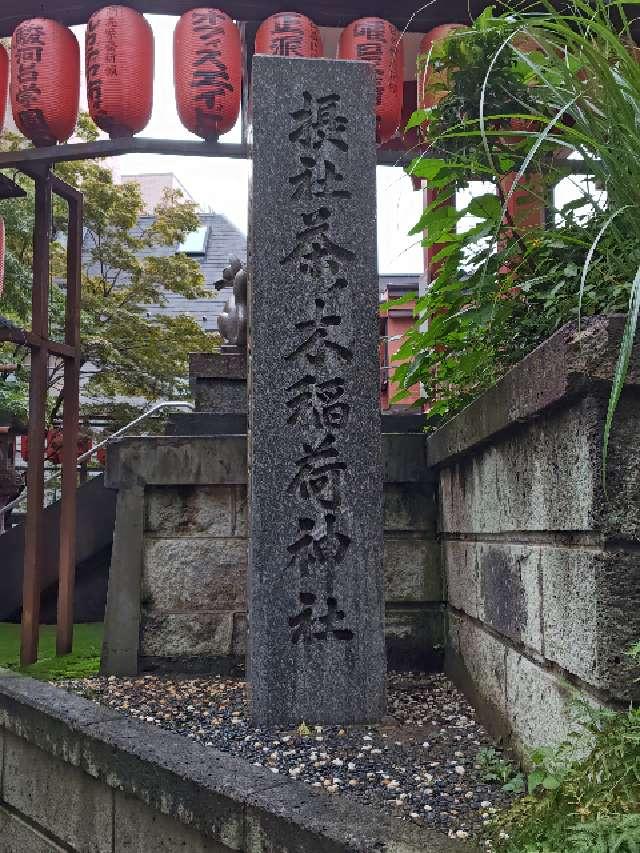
[37,412]
[71,400]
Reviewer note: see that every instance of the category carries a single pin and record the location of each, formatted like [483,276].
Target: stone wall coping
[216,794]
[568,365]
[222,460]
[176,460]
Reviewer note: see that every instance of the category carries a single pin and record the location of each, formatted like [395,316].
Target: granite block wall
[194,573]
[185,563]
[542,567]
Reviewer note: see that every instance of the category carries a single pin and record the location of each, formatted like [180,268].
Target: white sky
[222,184]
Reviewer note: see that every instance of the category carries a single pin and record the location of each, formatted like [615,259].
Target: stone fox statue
[233,320]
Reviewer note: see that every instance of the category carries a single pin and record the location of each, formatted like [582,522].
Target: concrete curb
[203,791]
[569,364]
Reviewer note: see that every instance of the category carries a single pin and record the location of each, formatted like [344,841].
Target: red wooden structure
[41,346]
[325,13]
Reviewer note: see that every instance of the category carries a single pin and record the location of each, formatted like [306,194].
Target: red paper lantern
[85,443]
[207,72]
[427,76]
[45,80]
[53,447]
[379,42]
[289,34]
[2,251]
[119,70]
[4,83]
[24,447]
[101,455]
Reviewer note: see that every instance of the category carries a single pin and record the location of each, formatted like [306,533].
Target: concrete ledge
[542,567]
[204,795]
[415,635]
[222,459]
[177,577]
[568,364]
[215,423]
[519,699]
[405,459]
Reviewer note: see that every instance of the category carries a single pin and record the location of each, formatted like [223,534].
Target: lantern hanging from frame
[289,34]
[45,80]
[55,445]
[207,72]
[4,84]
[119,70]
[379,42]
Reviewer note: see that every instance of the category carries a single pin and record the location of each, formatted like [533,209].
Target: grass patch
[83,662]
[584,796]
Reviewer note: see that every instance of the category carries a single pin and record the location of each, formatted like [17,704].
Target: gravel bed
[419,764]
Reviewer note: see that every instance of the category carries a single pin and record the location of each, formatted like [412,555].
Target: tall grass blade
[622,368]
[589,257]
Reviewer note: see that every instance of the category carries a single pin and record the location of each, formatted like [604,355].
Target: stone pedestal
[316,608]
[218,382]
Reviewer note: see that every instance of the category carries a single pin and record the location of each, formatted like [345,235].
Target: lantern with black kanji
[45,80]
[2,252]
[379,42]
[4,83]
[119,70]
[289,34]
[207,72]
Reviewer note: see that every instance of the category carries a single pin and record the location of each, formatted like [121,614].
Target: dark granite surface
[316,591]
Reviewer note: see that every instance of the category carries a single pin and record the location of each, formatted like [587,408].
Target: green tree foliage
[523,90]
[128,351]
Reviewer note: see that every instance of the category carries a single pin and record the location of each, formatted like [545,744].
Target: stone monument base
[218,382]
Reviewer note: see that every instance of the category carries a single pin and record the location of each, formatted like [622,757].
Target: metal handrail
[172,404]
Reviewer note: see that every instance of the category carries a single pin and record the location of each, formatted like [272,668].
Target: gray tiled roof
[223,241]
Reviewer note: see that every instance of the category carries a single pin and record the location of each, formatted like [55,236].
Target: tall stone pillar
[316,609]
